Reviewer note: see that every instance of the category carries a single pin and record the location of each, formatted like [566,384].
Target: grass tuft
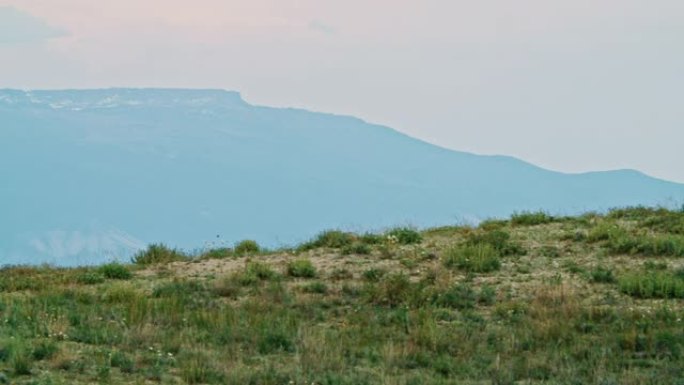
[473,258]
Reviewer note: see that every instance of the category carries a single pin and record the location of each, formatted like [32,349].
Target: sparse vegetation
[481,258]
[525,301]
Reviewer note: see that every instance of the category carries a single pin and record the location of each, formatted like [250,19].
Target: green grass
[404,236]
[247,247]
[158,253]
[529,218]
[652,285]
[480,258]
[112,271]
[522,301]
[301,268]
[601,274]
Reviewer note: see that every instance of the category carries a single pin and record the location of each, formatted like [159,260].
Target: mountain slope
[90,175]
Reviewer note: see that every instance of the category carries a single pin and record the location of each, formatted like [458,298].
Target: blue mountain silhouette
[91,175]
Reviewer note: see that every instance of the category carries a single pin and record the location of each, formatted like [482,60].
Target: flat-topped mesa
[122,97]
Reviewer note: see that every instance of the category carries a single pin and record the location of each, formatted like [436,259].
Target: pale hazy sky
[571,85]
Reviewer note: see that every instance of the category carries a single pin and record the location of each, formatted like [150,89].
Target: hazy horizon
[569,86]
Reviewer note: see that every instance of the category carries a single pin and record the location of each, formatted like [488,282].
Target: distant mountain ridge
[90,175]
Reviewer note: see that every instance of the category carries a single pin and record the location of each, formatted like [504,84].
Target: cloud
[323,28]
[17,26]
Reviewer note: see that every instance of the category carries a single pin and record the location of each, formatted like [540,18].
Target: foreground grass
[595,299]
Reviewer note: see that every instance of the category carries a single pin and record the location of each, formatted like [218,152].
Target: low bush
[219,253]
[260,270]
[115,271]
[404,236]
[394,290]
[158,253]
[316,288]
[334,239]
[247,247]
[602,274]
[498,239]
[44,350]
[357,248]
[301,268]
[373,274]
[473,258]
[460,297]
[605,232]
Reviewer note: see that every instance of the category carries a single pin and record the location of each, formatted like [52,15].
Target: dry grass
[560,307]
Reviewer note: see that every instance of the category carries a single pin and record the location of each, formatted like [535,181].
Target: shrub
[404,235]
[394,290]
[219,253]
[158,253]
[528,218]
[487,295]
[605,232]
[115,271]
[316,287]
[459,297]
[260,270]
[356,248]
[253,273]
[247,246]
[371,239]
[273,341]
[473,258]
[492,224]
[373,274]
[44,350]
[301,268]
[122,361]
[601,274]
[498,239]
[334,239]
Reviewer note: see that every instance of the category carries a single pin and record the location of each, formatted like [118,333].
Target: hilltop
[533,299]
[93,174]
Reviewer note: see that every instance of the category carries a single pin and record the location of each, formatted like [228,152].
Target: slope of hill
[91,175]
[594,299]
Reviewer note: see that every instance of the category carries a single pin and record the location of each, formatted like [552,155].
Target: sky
[569,85]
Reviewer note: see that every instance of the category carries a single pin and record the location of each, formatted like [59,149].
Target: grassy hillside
[595,299]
